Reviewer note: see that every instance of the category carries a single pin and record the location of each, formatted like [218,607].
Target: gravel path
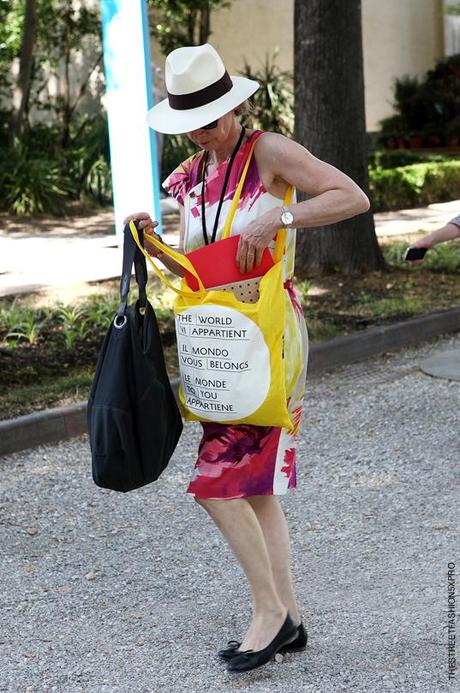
[109,592]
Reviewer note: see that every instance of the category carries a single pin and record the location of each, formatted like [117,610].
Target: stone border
[361,345]
[52,425]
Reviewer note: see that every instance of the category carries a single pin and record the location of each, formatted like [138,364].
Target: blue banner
[133,152]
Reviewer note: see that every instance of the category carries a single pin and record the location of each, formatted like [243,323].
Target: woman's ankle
[297,620]
[263,613]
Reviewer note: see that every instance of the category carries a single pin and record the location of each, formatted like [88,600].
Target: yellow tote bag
[231,353]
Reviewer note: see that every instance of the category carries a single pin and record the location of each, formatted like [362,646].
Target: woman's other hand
[255,238]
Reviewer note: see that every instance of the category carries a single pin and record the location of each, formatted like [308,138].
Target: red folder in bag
[216,264]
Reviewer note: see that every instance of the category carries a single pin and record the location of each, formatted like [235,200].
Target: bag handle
[132,255]
[181,260]
[236,197]
[282,233]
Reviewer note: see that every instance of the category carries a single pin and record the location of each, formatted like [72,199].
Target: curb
[340,351]
[53,425]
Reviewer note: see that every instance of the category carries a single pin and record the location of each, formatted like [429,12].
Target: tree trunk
[330,122]
[25,70]
[191,19]
[66,108]
[205,28]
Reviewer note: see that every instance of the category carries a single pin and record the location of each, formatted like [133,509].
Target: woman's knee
[207,503]
[216,504]
[200,501]
[263,502]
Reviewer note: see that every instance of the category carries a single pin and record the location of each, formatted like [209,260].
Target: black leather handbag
[133,419]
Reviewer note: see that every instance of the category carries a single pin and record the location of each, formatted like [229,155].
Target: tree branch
[84,85]
[25,69]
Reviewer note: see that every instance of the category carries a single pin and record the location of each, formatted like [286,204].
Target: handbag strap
[236,197]
[132,255]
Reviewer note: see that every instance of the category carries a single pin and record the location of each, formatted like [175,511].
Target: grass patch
[414,185]
[51,391]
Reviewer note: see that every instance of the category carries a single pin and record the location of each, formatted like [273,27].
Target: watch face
[287,218]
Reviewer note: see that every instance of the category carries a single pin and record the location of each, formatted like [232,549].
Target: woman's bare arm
[281,161]
[335,196]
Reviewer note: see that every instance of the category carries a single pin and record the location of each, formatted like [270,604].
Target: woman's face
[216,137]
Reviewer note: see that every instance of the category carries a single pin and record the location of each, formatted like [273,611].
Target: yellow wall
[399,37]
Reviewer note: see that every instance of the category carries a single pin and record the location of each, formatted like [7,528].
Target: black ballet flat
[230,651]
[248,659]
[300,642]
[297,645]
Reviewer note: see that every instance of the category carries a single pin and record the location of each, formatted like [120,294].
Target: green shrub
[391,158]
[75,323]
[273,102]
[392,127]
[414,186]
[38,175]
[22,322]
[31,185]
[97,184]
[427,109]
[452,9]
[87,158]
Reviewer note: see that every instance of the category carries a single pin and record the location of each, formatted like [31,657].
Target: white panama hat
[200,90]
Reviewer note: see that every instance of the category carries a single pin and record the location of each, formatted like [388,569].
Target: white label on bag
[224,362]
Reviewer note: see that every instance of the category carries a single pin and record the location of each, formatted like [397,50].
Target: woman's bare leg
[239,524]
[276,532]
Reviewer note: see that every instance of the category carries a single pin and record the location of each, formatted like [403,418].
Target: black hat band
[182,102]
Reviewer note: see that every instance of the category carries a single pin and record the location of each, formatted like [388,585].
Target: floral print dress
[239,460]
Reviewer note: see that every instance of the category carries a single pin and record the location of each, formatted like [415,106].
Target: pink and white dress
[235,461]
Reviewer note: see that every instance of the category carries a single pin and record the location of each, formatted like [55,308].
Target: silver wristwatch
[286,216]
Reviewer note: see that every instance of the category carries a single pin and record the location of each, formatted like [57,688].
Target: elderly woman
[242,469]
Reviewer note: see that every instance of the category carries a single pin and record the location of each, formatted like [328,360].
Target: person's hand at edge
[421,243]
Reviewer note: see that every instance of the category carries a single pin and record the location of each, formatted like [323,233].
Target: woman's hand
[255,238]
[148,225]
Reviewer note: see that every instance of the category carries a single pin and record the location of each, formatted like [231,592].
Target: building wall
[399,37]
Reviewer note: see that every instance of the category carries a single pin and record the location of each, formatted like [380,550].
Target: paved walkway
[36,254]
[134,593]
